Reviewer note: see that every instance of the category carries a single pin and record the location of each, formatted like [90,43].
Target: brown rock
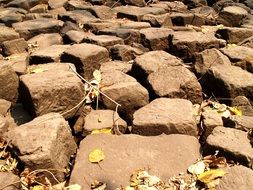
[103,40]
[8,83]
[19,62]
[77,16]
[237,177]
[7,33]
[175,82]
[74,36]
[104,119]
[41,8]
[164,115]
[243,103]
[14,46]
[86,61]
[45,40]
[122,157]
[158,20]
[156,38]
[125,52]
[232,143]
[5,107]
[7,178]
[53,89]
[100,11]
[48,54]
[248,42]
[31,28]
[54,4]
[51,147]
[121,66]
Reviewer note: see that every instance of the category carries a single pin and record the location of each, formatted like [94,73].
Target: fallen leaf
[96,156]
[97,75]
[197,168]
[235,111]
[73,187]
[211,175]
[103,131]
[38,187]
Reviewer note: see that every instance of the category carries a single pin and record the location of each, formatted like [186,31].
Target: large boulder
[53,88]
[165,115]
[164,156]
[45,142]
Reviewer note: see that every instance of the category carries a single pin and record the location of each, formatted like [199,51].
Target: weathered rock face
[8,83]
[7,178]
[232,143]
[164,115]
[46,40]
[123,153]
[14,46]
[86,57]
[7,33]
[51,91]
[52,143]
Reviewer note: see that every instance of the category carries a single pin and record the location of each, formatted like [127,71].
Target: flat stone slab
[233,143]
[164,156]
[165,115]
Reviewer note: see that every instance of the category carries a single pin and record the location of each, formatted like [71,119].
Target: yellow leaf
[104,131]
[211,175]
[74,187]
[97,155]
[235,111]
[38,187]
[97,75]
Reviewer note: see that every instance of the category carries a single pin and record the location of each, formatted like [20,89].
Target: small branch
[93,86]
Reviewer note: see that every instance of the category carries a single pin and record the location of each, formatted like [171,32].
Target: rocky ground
[127,94]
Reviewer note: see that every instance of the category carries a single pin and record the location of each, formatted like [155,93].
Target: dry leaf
[211,175]
[38,187]
[97,75]
[96,156]
[235,111]
[103,131]
[73,187]
[197,168]
[59,186]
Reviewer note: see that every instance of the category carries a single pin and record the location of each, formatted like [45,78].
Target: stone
[122,157]
[3,126]
[41,8]
[243,103]
[158,20]
[121,66]
[96,26]
[86,61]
[134,25]
[24,3]
[232,143]
[233,15]
[7,33]
[30,28]
[185,43]
[45,40]
[125,90]
[11,15]
[208,58]
[175,82]
[103,40]
[165,115]
[243,122]
[248,42]
[7,178]
[74,36]
[156,38]
[77,16]
[54,88]
[136,13]
[103,119]
[210,119]
[100,11]
[48,54]
[18,62]
[229,82]
[240,56]
[138,3]
[51,147]
[5,107]
[125,52]
[9,83]
[14,46]
[234,35]
[237,176]
[54,4]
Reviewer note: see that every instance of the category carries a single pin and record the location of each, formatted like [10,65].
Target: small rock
[248,42]
[53,88]
[233,143]
[121,66]
[7,33]
[74,36]
[51,147]
[14,46]
[41,8]
[103,119]
[9,83]
[125,52]
[243,103]
[19,62]
[164,115]
[45,40]
[122,157]
[5,107]
[103,40]
[86,61]
[158,20]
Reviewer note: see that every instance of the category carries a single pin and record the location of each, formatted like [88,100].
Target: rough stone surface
[103,119]
[8,83]
[7,178]
[7,33]
[236,177]
[51,90]
[52,143]
[86,57]
[125,52]
[5,107]
[14,46]
[18,62]
[165,115]
[103,40]
[46,40]
[123,153]
[243,104]
[233,143]
[122,66]
[30,28]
